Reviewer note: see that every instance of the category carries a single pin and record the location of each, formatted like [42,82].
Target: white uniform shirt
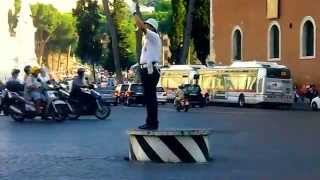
[151,50]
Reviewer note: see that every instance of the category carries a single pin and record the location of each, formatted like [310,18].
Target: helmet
[153,23]
[81,71]
[35,70]
[15,71]
[27,69]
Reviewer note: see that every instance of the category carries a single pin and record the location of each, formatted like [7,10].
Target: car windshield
[105,91]
[278,73]
[124,88]
[160,89]
[192,89]
[136,88]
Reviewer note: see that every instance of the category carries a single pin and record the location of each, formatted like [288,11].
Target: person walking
[149,67]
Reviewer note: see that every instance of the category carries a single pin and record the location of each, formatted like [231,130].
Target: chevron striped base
[191,146]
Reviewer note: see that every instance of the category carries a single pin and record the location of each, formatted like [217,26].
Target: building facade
[282,31]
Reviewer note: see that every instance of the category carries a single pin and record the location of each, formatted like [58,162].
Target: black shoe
[148,127]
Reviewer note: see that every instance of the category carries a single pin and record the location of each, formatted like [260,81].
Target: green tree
[89,47]
[114,42]
[187,31]
[126,33]
[201,23]
[13,15]
[176,32]
[64,37]
[45,19]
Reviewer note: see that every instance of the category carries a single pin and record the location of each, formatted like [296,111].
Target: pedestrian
[149,67]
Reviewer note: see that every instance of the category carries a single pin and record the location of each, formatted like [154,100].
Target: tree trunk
[94,73]
[68,57]
[187,32]
[212,35]
[138,36]
[52,65]
[114,40]
[59,60]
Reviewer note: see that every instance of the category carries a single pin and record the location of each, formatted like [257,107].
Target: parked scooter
[54,108]
[100,109]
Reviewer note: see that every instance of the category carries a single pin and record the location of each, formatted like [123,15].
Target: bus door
[219,87]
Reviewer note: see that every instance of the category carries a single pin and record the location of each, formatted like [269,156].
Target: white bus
[175,75]
[248,83]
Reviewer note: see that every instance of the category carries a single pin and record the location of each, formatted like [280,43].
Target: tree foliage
[201,23]
[13,15]
[45,19]
[89,47]
[126,33]
[176,32]
[65,33]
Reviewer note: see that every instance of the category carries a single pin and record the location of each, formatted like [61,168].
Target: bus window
[278,73]
[219,83]
[240,83]
[206,82]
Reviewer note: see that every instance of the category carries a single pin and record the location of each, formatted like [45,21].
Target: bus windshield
[278,73]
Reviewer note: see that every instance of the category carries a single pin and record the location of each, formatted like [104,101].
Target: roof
[185,67]
[256,64]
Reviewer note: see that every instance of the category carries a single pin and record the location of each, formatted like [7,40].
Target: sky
[61,5]
[68,5]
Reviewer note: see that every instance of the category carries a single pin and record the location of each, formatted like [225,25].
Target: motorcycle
[100,109]
[6,101]
[182,104]
[55,108]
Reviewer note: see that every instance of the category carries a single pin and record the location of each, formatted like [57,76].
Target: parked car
[108,95]
[161,95]
[134,94]
[120,92]
[315,103]
[193,93]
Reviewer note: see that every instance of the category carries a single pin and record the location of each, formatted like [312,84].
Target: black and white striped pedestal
[175,146]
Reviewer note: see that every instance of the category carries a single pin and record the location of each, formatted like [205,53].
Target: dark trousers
[150,82]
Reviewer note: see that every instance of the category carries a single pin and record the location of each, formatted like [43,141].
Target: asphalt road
[248,143]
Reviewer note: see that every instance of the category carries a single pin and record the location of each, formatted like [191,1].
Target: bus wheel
[241,101]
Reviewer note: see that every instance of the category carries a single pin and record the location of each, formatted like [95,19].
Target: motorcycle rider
[34,89]
[27,72]
[78,83]
[14,84]
[179,95]
[43,76]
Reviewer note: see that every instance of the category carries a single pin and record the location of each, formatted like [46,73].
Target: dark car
[108,95]
[120,92]
[134,94]
[193,93]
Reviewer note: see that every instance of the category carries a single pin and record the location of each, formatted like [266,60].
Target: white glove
[150,68]
[132,7]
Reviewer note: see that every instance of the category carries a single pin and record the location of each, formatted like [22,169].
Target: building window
[274,42]
[272,9]
[308,38]
[236,44]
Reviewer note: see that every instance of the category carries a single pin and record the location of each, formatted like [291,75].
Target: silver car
[108,95]
[161,95]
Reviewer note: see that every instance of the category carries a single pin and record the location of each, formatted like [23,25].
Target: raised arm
[140,24]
